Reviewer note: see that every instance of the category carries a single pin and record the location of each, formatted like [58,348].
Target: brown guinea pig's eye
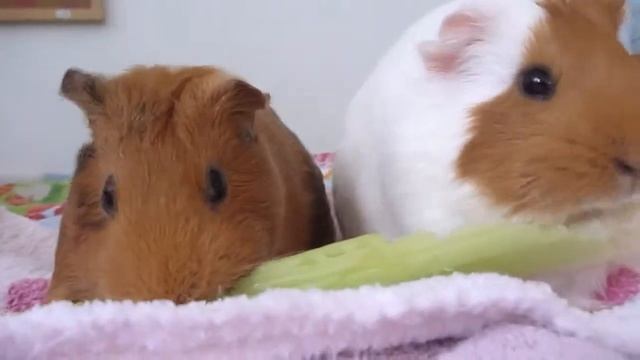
[537,83]
[108,199]
[215,186]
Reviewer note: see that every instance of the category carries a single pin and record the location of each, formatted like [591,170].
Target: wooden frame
[94,12]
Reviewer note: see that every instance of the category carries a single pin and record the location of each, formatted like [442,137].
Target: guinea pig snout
[180,285]
[164,265]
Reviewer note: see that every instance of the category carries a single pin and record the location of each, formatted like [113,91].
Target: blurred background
[310,55]
[633,26]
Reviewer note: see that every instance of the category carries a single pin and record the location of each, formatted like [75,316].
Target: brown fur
[559,156]
[157,131]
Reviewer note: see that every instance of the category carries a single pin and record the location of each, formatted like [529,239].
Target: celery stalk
[516,250]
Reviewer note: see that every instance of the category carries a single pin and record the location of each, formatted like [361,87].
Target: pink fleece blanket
[482,316]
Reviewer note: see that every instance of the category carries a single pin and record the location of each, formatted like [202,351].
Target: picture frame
[52,11]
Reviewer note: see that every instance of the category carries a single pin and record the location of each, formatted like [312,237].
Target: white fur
[405,128]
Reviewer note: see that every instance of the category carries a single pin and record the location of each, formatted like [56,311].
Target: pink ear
[458,32]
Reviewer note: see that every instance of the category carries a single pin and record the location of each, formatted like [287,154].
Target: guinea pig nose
[624,168]
[181,299]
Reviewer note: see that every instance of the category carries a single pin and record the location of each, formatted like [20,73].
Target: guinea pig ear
[239,102]
[83,89]
[458,32]
[241,99]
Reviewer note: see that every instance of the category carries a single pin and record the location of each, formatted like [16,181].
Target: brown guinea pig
[190,181]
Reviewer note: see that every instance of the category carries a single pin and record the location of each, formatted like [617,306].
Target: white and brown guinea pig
[190,181]
[487,110]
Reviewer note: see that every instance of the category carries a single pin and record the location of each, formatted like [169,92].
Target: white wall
[634,26]
[311,55]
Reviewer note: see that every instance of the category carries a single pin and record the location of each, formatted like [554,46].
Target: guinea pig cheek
[530,171]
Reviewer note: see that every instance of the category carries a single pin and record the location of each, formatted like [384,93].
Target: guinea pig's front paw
[620,286]
[588,304]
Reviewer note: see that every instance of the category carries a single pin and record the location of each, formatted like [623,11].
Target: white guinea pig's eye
[537,83]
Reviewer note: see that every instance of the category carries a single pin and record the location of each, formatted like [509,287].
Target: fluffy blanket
[26,250]
[483,316]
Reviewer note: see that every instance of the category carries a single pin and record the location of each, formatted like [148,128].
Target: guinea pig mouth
[219,293]
[620,209]
[584,217]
